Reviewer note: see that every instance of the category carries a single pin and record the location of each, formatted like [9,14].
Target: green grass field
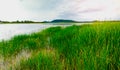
[86,47]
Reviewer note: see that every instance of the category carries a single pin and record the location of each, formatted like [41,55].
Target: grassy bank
[86,47]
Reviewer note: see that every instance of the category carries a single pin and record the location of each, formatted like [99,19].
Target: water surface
[9,30]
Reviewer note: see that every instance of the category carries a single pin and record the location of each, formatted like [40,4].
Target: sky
[46,10]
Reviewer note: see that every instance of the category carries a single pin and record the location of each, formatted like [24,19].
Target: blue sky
[41,10]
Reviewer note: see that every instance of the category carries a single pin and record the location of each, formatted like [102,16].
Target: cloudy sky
[41,10]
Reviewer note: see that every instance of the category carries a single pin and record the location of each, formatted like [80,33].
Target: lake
[9,30]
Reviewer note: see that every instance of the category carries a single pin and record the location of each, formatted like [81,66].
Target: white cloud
[38,10]
[67,9]
[11,10]
[92,9]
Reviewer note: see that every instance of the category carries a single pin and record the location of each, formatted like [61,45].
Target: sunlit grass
[86,47]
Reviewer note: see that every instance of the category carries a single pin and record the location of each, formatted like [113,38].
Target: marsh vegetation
[86,47]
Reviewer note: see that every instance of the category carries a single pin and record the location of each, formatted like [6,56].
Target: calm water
[9,30]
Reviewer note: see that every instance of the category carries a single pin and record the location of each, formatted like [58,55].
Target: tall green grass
[85,47]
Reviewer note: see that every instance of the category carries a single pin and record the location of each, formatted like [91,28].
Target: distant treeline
[59,21]
[26,21]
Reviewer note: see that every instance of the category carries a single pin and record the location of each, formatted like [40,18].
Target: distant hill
[62,20]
